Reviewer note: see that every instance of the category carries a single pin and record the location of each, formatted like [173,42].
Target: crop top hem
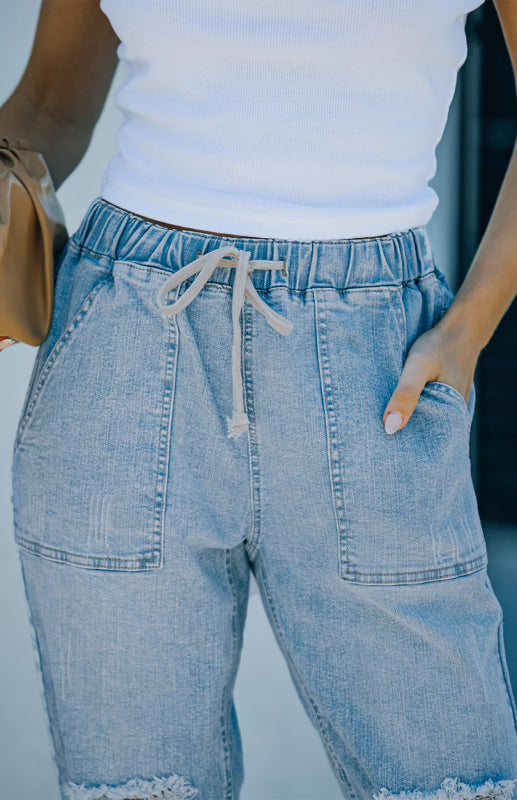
[253,222]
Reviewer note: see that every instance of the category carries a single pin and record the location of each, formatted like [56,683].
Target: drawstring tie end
[203,267]
[239,423]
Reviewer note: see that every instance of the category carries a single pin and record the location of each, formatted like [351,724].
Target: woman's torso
[316,119]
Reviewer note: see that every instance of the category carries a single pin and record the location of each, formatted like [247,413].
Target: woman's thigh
[368,548]
[138,518]
[129,502]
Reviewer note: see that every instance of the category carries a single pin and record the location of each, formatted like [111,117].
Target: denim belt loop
[205,266]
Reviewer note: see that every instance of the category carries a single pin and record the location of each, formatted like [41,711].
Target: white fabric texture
[308,119]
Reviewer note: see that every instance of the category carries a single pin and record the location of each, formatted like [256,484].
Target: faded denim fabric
[139,514]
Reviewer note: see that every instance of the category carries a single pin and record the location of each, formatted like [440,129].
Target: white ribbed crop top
[305,119]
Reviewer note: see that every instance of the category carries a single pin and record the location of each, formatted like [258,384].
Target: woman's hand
[449,351]
[438,354]
[5,341]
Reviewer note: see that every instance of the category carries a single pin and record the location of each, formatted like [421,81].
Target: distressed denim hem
[453,789]
[172,788]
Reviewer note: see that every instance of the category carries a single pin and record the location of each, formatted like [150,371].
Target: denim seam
[36,370]
[87,562]
[133,563]
[344,570]
[321,723]
[162,472]
[147,266]
[71,243]
[49,695]
[253,447]
[504,669]
[144,267]
[99,256]
[379,287]
[453,394]
[37,365]
[442,280]
[402,326]
[420,576]
[226,695]
[63,339]
[331,426]
[227,287]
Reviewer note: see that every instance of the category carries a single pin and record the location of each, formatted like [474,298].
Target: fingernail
[393,422]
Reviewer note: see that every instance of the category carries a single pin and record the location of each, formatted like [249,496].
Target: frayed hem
[453,789]
[172,788]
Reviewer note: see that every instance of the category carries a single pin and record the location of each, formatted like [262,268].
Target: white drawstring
[205,265]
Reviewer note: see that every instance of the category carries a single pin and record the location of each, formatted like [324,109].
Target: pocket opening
[405,505]
[90,468]
[43,367]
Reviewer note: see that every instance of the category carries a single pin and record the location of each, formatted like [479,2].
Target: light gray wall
[284,758]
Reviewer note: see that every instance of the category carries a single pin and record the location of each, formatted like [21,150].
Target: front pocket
[47,356]
[405,505]
[91,459]
[452,394]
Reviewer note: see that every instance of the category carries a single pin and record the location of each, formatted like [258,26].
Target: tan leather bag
[32,235]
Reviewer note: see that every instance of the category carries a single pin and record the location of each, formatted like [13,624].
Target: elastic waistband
[390,259]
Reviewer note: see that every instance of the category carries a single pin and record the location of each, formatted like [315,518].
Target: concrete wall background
[284,758]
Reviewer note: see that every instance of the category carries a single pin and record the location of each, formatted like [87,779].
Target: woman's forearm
[491,282]
[61,143]
[449,351]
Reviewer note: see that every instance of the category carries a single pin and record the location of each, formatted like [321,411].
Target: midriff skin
[213,233]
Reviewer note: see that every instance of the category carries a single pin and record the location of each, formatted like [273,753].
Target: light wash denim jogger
[139,513]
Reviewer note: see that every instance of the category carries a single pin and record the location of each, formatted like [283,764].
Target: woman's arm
[450,350]
[491,282]
[60,96]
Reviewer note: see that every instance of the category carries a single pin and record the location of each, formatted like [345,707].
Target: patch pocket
[405,505]
[74,295]
[453,395]
[91,458]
